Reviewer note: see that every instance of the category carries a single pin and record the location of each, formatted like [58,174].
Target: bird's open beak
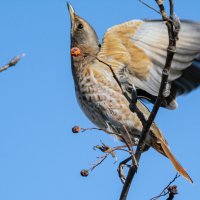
[71,12]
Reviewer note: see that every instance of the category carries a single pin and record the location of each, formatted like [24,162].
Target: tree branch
[12,62]
[162,92]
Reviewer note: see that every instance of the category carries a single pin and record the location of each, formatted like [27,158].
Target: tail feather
[158,142]
[176,164]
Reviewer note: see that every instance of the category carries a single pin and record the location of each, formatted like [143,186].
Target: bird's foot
[134,96]
[121,169]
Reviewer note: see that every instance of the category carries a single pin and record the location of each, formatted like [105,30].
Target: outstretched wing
[137,52]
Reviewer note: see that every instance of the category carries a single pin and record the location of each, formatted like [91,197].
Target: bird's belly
[111,113]
[89,106]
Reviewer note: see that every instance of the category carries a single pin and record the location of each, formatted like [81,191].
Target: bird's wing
[137,52]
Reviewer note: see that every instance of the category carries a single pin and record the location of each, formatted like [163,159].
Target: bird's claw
[121,171]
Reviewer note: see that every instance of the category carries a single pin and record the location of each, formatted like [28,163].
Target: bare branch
[12,63]
[146,127]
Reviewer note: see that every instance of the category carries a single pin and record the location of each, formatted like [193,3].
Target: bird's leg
[133,100]
[133,107]
[130,93]
[134,96]
[124,163]
[121,167]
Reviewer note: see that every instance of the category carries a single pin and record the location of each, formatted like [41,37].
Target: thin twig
[166,18]
[141,1]
[121,137]
[163,193]
[99,162]
[13,62]
[171,9]
[114,75]
[77,129]
[107,150]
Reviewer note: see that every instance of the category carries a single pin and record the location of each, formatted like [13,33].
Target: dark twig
[171,9]
[114,75]
[13,62]
[165,191]
[146,127]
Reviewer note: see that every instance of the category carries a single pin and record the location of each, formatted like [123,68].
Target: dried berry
[76,129]
[84,173]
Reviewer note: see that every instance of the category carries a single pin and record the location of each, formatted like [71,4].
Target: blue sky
[40,159]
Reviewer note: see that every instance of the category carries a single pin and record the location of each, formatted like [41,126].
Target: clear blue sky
[40,159]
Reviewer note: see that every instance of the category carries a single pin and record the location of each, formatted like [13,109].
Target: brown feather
[176,164]
[118,45]
[161,146]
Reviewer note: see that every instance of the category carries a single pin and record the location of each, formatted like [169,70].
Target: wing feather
[140,47]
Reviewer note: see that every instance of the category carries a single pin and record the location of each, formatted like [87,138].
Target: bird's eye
[80,26]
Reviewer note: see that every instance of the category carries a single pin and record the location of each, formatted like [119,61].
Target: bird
[136,50]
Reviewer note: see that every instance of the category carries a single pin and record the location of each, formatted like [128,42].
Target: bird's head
[83,36]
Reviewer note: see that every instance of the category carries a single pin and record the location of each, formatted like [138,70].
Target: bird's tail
[162,147]
[159,143]
[176,164]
